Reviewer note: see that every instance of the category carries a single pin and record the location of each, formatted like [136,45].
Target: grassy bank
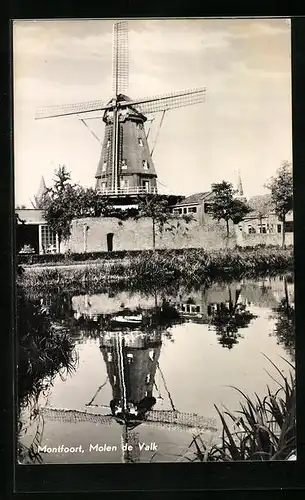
[193,266]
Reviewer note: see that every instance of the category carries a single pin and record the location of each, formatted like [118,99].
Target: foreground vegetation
[193,266]
[263,428]
[42,353]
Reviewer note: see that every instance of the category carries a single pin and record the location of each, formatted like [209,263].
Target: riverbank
[189,266]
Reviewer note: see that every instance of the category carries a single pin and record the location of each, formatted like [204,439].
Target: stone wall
[90,235]
[263,239]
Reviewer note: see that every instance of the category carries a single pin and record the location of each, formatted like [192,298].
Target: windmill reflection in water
[131,344]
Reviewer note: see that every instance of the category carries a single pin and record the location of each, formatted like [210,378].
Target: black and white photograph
[154,240]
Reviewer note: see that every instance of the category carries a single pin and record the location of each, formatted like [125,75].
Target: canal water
[148,368]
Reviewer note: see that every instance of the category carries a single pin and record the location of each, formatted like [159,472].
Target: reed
[262,429]
[195,266]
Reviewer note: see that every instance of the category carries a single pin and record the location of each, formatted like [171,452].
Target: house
[33,235]
[262,220]
[197,205]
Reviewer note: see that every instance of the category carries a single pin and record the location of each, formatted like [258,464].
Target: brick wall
[137,235]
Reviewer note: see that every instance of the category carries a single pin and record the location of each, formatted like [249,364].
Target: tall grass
[189,266]
[263,429]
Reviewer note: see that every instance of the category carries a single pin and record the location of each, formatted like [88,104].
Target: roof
[261,204]
[31,216]
[194,199]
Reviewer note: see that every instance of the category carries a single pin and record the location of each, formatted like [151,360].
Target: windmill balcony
[132,190]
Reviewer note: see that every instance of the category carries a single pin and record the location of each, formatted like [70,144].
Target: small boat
[136,319]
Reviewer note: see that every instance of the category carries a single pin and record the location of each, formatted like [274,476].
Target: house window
[192,210]
[178,211]
[104,166]
[262,228]
[48,239]
[140,142]
[103,186]
[124,164]
[251,230]
[185,210]
[279,228]
[145,164]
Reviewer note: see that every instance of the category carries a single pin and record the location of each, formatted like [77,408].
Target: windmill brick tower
[125,167]
[136,171]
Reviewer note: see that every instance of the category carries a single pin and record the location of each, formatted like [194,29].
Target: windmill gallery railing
[133,190]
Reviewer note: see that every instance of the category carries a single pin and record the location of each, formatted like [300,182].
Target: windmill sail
[70,109]
[171,420]
[120,66]
[165,102]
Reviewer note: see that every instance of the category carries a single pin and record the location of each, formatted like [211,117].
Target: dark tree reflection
[229,318]
[43,351]
[285,323]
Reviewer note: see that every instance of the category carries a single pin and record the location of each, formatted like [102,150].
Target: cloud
[31,93]
[272,27]
[40,40]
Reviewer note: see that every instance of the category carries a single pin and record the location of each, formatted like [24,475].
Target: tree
[66,201]
[225,206]
[157,208]
[60,204]
[281,188]
[90,203]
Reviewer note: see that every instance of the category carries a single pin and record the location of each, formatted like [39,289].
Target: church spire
[240,190]
[41,192]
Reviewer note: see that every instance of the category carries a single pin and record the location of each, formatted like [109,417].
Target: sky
[243,126]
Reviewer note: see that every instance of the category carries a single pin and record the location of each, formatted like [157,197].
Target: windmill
[126,166]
